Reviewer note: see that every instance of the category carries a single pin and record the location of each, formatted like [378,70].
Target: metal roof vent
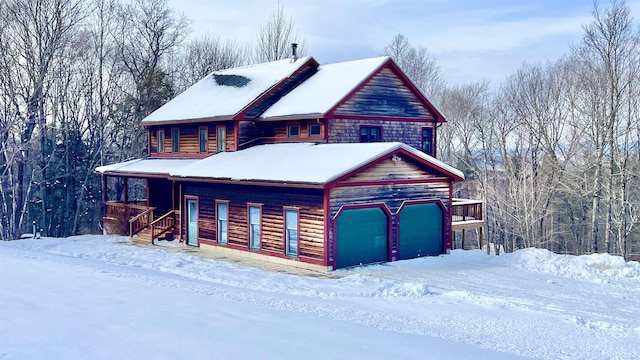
[294,52]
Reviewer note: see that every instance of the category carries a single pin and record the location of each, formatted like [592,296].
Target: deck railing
[465,210]
[118,214]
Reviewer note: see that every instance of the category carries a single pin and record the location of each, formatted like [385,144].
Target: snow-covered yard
[94,297]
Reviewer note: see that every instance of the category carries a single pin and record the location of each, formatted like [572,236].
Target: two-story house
[319,166]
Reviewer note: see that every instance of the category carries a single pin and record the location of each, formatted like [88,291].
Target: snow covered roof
[225,93]
[324,90]
[149,166]
[297,162]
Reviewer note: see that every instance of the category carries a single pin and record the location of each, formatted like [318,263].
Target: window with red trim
[370,134]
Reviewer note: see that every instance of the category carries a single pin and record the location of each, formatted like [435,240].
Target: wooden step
[142,237]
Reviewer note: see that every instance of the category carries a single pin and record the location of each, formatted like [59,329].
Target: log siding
[189,139]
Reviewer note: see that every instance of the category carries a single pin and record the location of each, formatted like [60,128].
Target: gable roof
[333,84]
[301,162]
[224,93]
[326,88]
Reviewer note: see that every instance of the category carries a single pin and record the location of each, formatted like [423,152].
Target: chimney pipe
[294,52]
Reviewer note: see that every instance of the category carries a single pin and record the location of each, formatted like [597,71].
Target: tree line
[552,150]
[76,78]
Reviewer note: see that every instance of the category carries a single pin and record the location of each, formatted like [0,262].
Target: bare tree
[607,66]
[38,32]
[418,63]
[147,32]
[203,55]
[276,36]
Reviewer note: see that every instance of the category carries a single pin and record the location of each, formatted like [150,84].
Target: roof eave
[254,182]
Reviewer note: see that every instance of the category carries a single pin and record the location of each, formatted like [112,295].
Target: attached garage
[362,236]
[420,230]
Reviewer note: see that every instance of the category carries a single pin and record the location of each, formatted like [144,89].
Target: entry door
[192,222]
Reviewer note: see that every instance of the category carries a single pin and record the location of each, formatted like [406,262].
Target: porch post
[126,190]
[104,194]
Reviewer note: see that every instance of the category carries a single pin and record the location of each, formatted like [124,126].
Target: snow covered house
[318,166]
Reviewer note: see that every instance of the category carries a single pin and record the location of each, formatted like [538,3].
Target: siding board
[385,95]
[309,201]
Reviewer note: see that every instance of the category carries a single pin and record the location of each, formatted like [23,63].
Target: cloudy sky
[472,39]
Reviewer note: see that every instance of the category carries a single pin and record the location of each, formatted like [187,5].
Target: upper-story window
[203,134]
[293,130]
[221,135]
[370,134]
[427,140]
[160,136]
[314,130]
[175,140]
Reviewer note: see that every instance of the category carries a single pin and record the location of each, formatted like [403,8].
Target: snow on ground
[98,297]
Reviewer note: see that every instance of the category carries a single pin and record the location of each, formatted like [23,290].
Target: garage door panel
[420,230]
[362,237]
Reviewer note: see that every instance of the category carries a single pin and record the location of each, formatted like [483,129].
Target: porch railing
[117,215]
[140,221]
[163,224]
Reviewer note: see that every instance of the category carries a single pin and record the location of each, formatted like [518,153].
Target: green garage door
[361,237]
[420,228]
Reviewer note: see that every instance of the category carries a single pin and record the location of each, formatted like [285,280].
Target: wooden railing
[163,224]
[140,221]
[117,215]
[464,210]
[120,210]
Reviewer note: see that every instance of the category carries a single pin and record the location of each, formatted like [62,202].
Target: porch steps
[142,237]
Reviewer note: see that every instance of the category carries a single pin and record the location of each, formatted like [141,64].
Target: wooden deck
[467,215]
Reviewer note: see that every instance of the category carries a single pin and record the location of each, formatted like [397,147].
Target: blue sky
[472,39]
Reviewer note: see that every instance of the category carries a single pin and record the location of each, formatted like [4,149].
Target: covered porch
[140,201]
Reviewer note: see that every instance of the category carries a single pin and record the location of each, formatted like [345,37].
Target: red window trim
[178,135]
[379,127]
[216,202]
[249,206]
[206,144]
[224,142]
[158,131]
[284,234]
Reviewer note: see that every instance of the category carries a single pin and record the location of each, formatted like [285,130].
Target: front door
[192,222]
